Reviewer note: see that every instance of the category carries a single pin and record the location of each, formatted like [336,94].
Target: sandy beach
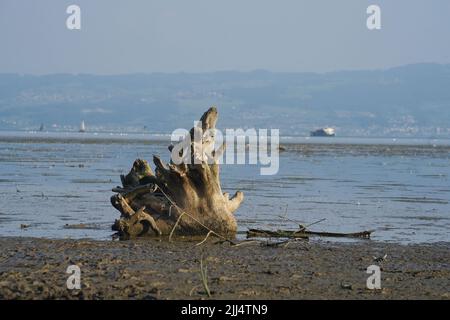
[32,268]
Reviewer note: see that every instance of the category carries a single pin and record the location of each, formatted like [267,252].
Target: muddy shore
[151,269]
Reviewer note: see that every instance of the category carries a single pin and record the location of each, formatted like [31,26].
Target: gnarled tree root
[177,199]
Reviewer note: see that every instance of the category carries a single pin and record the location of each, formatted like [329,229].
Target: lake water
[399,187]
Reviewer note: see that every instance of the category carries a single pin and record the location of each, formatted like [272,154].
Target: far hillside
[408,101]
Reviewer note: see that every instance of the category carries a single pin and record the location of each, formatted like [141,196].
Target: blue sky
[209,35]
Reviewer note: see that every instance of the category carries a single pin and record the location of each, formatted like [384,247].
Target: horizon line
[259,70]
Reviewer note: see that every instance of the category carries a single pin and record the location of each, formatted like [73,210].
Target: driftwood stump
[178,199]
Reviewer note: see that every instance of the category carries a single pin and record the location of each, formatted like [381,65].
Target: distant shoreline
[117,137]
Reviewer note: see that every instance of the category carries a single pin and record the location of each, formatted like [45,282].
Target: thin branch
[175,225]
[316,222]
[243,243]
[206,238]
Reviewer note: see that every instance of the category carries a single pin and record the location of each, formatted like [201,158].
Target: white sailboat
[82,127]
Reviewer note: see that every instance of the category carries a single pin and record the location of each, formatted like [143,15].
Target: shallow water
[398,187]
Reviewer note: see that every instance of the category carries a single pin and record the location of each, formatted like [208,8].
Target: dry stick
[316,222]
[242,243]
[267,242]
[238,244]
[204,239]
[279,243]
[185,213]
[288,219]
[286,242]
[303,228]
[245,242]
[176,224]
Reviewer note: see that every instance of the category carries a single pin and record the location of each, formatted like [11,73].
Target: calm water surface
[400,188]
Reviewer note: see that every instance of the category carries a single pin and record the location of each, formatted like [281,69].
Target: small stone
[225,278]
[346,286]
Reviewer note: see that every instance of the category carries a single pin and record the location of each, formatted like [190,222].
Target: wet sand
[151,269]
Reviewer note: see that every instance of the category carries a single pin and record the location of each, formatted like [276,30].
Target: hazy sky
[209,35]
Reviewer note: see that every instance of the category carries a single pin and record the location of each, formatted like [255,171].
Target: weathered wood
[256,233]
[137,175]
[363,234]
[180,199]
